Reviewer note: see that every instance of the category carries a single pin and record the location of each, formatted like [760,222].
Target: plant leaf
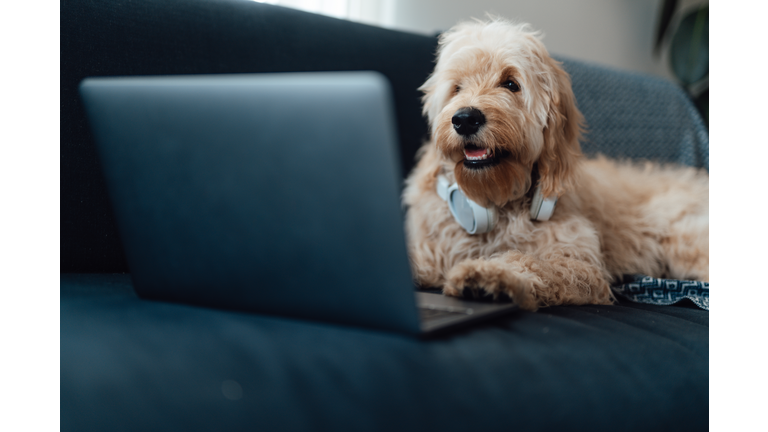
[689,53]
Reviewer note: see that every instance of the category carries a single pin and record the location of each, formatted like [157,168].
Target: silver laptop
[269,193]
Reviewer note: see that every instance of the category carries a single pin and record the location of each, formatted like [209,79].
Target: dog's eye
[511,86]
[457,89]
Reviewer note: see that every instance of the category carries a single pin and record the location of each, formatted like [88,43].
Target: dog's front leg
[532,281]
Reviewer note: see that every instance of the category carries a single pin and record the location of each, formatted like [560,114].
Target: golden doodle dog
[503,121]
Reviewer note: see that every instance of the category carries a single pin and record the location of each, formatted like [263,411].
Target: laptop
[269,193]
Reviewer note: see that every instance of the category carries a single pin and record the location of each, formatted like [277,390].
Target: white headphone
[476,219]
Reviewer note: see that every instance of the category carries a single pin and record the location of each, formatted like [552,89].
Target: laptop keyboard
[428,314]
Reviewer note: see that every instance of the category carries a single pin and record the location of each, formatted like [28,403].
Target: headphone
[476,219]
[469,214]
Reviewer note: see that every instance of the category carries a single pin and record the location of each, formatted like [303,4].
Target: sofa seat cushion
[131,364]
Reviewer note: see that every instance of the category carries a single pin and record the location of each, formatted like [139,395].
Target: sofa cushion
[129,364]
[636,116]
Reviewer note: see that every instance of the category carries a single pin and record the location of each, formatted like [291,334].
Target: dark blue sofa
[129,364]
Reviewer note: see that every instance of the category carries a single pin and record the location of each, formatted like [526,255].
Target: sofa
[129,364]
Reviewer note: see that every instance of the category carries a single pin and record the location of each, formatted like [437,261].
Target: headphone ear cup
[474,218]
[542,208]
[485,218]
[493,218]
[461,209]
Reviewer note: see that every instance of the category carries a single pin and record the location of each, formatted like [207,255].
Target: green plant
[688,51]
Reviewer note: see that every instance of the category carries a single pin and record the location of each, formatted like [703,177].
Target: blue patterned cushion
[645,289]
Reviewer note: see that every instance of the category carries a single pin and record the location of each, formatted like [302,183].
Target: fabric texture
[635,116]
[128,364]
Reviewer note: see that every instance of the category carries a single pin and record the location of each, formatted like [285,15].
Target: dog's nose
[466,121]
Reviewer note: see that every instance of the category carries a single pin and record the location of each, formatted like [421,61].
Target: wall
[616,33]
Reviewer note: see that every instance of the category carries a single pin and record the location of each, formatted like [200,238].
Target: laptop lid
[273,193]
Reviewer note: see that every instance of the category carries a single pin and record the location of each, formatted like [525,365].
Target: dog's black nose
[466,121]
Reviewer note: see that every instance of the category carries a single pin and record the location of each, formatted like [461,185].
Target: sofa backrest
[637,116]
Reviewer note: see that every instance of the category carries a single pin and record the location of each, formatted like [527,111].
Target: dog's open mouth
[479,157]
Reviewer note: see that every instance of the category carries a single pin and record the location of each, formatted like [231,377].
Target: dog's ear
[561,152]
[428,88]
[434,96]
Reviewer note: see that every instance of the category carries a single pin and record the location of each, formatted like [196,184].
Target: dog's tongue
[474,152]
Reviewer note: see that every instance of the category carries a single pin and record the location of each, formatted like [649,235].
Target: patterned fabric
[630,115]
[645,289]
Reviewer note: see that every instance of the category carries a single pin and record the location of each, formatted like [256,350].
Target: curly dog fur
[612,218]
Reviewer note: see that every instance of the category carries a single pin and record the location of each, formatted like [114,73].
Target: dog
[503,120]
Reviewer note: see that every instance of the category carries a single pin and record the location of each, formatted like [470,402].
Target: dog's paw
[479,294]
[489,281]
